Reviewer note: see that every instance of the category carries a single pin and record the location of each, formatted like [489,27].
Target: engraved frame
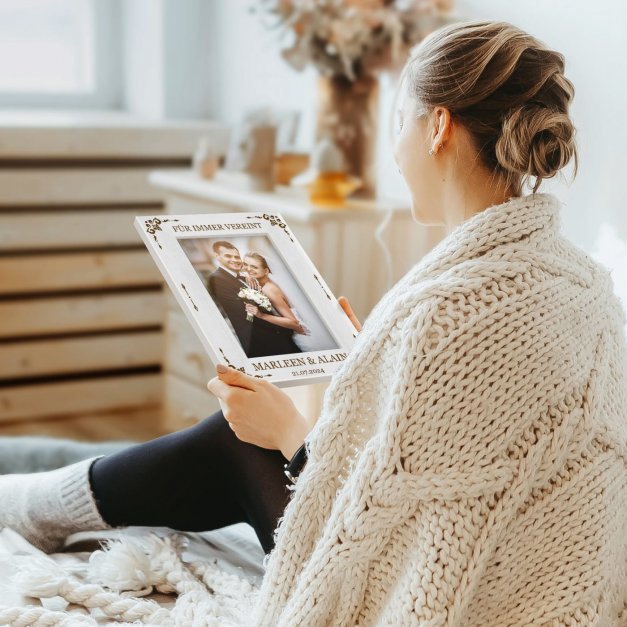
[222,345]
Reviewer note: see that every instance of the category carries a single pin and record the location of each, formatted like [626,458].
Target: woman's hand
[259,412]
[252,282]
[253,310]
[349,311]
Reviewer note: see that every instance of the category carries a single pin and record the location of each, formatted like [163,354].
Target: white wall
[168,51]
[249,71]
[143,58]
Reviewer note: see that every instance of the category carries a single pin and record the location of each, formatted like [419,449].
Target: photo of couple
[253,300]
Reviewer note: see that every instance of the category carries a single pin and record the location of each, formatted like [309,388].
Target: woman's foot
[46,507]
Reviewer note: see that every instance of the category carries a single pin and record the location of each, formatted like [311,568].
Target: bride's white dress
[304,342]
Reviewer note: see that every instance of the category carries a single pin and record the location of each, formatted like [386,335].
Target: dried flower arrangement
[352,38]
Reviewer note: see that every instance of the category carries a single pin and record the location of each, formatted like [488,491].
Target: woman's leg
[196,479]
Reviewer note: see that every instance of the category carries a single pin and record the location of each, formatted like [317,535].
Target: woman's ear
[442,125]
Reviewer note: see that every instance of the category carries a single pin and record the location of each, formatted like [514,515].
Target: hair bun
[507,89]
[535,140]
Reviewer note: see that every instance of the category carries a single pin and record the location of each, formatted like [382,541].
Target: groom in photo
[258,338]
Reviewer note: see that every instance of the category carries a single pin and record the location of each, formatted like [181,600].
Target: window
[59,52]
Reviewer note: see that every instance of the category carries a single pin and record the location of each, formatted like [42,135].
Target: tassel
[133,564]
[122,565]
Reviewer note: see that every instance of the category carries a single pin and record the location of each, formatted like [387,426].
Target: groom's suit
[258,338]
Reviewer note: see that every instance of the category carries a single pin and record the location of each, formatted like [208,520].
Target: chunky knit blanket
[468,467]
[469,464]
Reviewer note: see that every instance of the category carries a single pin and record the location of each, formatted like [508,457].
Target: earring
[431,151]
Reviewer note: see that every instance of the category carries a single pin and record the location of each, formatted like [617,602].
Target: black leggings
[195,479]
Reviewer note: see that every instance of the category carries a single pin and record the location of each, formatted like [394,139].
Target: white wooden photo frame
[289,329]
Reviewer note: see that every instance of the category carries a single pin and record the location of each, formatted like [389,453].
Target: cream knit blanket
[468,467]
[469,464]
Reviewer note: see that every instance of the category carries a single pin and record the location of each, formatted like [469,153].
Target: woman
[256,267]
[468,465]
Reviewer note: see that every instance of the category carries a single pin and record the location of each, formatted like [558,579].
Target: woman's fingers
[232,388]
[257,411]
[348,310]
[229,382]
[218,388]
[232,377]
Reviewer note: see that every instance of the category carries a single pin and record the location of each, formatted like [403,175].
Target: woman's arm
[279,302]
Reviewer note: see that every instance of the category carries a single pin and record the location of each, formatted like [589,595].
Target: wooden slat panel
[135,423]
[54,272]
[77,397]
[80,313]
[185,403]
[71,229]
[184,353]
[80,354]
[49,133]
[61,186]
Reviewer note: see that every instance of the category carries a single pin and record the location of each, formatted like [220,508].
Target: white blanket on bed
[234,549]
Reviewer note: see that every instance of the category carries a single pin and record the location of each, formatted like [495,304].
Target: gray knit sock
[46,507]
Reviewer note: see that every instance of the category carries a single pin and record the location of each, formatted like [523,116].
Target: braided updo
[506,88]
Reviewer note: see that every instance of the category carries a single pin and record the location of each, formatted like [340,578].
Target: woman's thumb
[221,369]
[348,310]
[232,376]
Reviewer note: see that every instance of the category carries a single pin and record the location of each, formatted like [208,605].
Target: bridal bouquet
[254,297]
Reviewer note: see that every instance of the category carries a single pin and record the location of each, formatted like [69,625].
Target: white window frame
[108,91]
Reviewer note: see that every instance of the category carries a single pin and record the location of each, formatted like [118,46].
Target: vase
[346,112]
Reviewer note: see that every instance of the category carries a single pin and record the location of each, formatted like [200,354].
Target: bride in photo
[283,313]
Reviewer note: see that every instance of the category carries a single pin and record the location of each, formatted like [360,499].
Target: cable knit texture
[468,467]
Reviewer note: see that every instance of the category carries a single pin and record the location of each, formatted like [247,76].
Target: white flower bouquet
[254,297]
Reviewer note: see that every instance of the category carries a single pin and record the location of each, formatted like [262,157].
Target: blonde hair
[506,88]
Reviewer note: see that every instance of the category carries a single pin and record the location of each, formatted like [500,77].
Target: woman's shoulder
[272,289]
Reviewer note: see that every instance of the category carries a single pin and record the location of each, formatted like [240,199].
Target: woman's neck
[464,208]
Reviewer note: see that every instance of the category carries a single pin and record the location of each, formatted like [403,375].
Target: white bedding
[236,549]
